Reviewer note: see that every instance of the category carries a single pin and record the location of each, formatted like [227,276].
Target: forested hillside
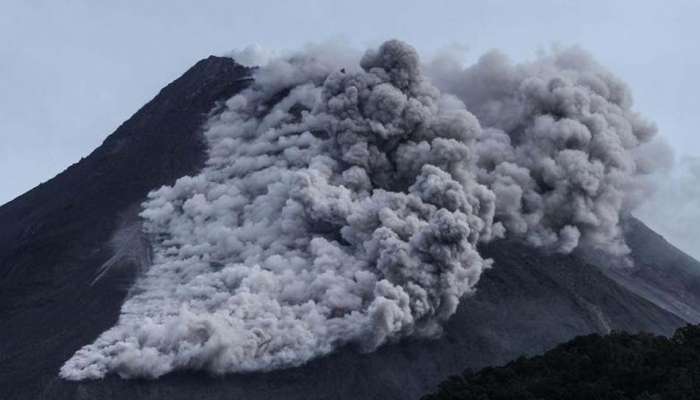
[616,366]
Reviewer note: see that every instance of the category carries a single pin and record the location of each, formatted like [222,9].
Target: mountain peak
[53,237]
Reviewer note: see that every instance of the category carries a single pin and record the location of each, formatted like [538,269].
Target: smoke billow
[561,146]
[336,207]
[344,199]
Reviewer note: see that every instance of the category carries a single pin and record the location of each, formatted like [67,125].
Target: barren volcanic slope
[55,238]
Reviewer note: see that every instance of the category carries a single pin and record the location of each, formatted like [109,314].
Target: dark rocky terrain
[55,238]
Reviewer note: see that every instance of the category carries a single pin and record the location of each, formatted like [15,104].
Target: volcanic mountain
[71,248]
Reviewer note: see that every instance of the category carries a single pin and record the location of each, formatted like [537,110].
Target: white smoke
[344,198]
[253,55]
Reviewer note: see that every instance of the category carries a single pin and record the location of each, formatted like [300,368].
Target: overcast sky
[72,71]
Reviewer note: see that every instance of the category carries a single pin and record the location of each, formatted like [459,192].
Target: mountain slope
[55,239]
[662,273]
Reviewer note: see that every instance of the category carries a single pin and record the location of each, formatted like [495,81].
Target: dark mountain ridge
[55,238]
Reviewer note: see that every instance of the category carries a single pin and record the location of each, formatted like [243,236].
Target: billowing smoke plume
[337,206]
[343,202]
[560,146]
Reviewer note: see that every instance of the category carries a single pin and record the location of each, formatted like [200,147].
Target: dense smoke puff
[560,148]
[337,207]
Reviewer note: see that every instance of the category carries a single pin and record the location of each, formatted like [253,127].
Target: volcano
[70,250]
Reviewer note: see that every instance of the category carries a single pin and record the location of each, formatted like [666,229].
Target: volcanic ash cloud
[562,149]
[337,207]
[343,201]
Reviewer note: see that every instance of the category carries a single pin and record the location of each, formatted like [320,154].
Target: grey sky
[72,71]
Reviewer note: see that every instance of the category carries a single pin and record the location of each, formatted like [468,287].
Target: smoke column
[344,199]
